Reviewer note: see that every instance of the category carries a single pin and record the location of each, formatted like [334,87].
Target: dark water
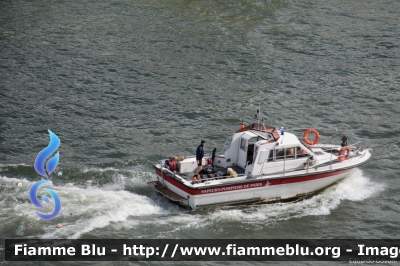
[123,82]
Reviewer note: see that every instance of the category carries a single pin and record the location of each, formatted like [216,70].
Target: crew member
[199,156]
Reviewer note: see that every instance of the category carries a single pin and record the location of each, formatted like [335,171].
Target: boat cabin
[258,150]
[255,150]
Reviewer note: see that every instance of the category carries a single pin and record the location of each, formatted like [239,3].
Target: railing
[355,152]
[292,130]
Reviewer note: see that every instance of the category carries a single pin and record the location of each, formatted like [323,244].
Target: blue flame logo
[45,153]
[35,201]
[50,167]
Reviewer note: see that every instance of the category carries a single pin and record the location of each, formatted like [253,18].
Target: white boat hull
[266,190]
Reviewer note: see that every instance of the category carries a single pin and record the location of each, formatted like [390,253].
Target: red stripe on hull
[248,185]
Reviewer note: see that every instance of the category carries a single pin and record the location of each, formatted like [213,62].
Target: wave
[355,187]
[83,209]
[92,207]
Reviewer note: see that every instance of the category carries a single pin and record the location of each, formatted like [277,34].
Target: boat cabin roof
[261,128]
[289,139]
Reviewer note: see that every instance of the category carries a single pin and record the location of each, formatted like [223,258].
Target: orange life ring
[347,149]
[308,131]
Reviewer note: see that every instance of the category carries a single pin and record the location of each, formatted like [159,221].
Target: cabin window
[243,144]
[279,154]
[229,141]
[282,154]
[263,156]
[271,156]
[290,153]
[301,153]
[253,140]
[255,152]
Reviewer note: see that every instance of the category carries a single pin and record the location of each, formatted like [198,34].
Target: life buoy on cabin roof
[308,131]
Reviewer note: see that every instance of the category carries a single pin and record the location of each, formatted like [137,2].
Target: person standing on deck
[199,156]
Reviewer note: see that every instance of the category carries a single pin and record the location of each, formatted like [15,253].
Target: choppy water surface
[123,82]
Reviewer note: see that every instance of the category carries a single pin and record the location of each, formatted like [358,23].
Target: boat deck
[222,173]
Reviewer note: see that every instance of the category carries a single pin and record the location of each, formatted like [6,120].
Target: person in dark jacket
[199,156]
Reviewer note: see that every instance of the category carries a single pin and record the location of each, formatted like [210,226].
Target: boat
[261,164]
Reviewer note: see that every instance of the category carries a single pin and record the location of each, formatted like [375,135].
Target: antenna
[258,116]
